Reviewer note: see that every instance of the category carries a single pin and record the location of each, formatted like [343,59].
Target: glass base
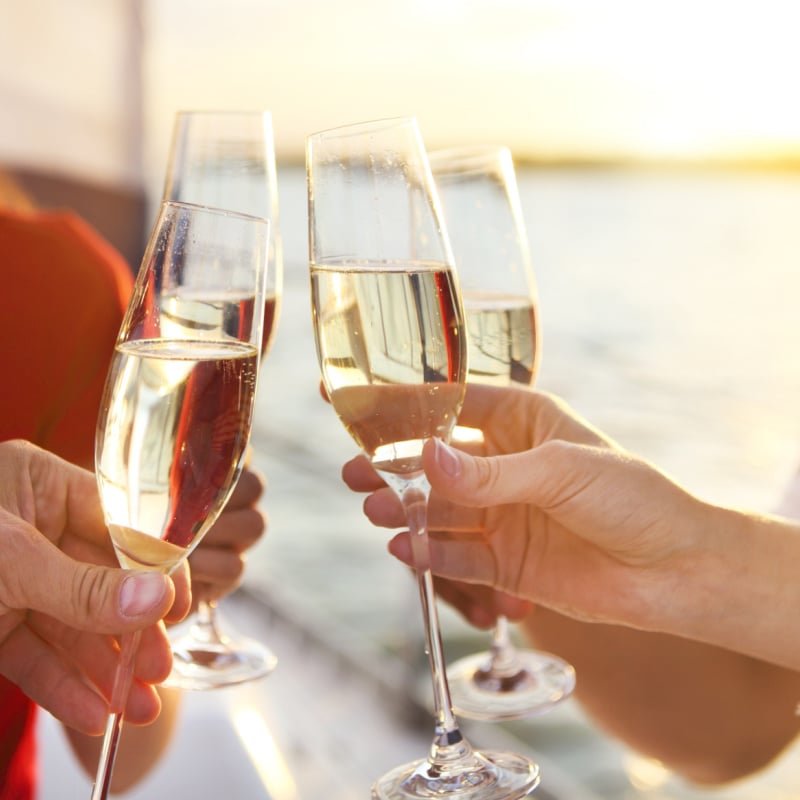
[487,776]
[198,664]
[539,682]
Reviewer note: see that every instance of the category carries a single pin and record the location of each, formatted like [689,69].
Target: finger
[517,418]
[481,605]
[544,476]
[206,593]
[514,608]
[182,582]
[544,569]
[238,530]
[143,705]
[447,516]
[470,446]
[471,601]
[215,566]
[360,476]
[249,489]
[154,655]
[66,498]
[482,404]
[462,557]
[96,656]
[324,392]
[37,575]
[384,509]
[80,549]
[51,683]
[574,486]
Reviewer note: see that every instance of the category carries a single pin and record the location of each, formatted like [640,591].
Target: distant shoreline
[755,164]
[716,164]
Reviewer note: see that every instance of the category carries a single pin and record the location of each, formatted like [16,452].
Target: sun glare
[684,79]
[553,79]
[265,756]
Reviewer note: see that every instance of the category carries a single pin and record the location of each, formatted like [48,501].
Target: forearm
[710,714]
[140,747]
[713,690]
[739,590]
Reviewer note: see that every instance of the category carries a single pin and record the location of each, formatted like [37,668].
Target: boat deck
[324,724]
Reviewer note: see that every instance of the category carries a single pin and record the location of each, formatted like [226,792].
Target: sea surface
[670,307]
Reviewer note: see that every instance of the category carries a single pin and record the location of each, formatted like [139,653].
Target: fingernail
[447,459]
[140,593]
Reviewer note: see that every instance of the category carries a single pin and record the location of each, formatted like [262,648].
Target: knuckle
[90,593]
[20,588]
[488,476]
[554,450]
[19,448]
[560,479]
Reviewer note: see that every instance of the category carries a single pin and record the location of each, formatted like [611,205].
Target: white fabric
[70,96]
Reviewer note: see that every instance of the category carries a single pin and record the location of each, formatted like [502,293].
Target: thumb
[83,596]
[489,481]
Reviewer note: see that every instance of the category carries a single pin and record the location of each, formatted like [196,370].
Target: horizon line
[750,163]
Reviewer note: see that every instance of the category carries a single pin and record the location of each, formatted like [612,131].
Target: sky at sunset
[551,78]
[554,79]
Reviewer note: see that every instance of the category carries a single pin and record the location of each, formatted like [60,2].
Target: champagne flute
[391,345]
[225,159]
[478,190]
[177,408]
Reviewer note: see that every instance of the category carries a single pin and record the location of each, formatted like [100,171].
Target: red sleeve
[17,744]
[63,296]
[63,292]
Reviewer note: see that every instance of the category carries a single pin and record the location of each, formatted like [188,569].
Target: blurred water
[669,304]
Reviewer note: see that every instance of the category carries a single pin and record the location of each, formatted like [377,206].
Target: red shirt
[17,744]
[63,293]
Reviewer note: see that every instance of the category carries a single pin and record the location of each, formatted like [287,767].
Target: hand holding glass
[226,160]
[178,404]
[391,346]
[483,215]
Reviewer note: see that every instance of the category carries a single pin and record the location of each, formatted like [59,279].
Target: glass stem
[503,660]
[204,627]
[448,746]
[119,699]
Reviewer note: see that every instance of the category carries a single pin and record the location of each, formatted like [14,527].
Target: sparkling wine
[392,358]
[503,335]
[171,438]
[270,320]
[136,550]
